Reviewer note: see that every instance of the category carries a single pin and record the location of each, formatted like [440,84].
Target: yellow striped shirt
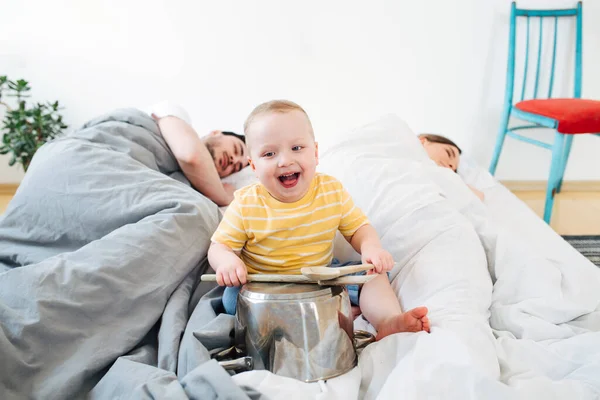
[276,237]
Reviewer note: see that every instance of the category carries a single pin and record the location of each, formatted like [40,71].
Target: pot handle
[239,364]
[362,339]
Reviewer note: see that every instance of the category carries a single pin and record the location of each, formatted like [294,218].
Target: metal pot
[301,331]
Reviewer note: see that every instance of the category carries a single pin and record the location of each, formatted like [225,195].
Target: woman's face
[444,155]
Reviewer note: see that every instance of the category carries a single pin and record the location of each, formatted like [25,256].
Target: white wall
[441,66]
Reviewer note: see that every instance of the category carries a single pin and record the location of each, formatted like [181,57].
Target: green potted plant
[26,127]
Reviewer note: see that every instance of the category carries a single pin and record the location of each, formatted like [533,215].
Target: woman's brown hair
[439,139]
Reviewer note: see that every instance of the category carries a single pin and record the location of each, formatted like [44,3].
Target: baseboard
[536,186]
[8,188]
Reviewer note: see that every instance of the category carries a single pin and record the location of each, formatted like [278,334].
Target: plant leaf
[28,126]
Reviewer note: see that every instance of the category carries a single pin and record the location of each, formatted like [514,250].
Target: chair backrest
[540,15]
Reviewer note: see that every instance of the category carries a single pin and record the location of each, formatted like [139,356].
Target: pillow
[168,108]
[389,175]
[475,175]
[381,166]
[242,178]
[376,136]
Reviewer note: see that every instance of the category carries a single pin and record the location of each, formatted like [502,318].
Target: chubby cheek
[267,168]
[268,173]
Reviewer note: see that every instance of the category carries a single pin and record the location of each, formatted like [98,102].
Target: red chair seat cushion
[573,115]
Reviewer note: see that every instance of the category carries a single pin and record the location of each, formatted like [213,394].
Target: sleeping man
[101,232]
[203,161]
[160,140]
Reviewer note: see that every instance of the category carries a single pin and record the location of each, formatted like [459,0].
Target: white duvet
[515,310]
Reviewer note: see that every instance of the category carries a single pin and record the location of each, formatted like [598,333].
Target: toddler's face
[283,154]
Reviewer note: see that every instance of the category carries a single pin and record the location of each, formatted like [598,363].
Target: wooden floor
[4,199]
[575,213]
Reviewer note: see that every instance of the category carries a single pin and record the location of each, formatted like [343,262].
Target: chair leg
[500,140]
[555,174]
[565,159]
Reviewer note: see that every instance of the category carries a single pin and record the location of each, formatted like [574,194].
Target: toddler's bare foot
[415,320]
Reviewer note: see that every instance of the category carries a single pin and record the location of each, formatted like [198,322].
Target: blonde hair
[274,106]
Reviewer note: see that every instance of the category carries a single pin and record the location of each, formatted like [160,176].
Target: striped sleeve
[352,216]
[231,231]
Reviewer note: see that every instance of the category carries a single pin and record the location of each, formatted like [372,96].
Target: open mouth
[289,180]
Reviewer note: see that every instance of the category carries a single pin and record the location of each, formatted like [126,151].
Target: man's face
[228,152]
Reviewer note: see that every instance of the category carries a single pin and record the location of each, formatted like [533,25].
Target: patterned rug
[589,246]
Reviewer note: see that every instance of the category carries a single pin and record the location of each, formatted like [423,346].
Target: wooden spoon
[345,280]
[326,273]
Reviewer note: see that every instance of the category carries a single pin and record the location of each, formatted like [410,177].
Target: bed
[515,310]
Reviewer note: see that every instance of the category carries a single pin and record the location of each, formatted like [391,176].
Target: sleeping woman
[445,153]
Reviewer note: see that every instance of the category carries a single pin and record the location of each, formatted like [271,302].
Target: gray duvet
[100,254]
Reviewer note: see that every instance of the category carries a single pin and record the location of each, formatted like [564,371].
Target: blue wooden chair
[566,116]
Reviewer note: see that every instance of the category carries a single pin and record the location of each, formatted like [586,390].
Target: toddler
[289,220]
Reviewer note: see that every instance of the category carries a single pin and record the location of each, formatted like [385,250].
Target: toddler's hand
[381,259]
[232,272]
